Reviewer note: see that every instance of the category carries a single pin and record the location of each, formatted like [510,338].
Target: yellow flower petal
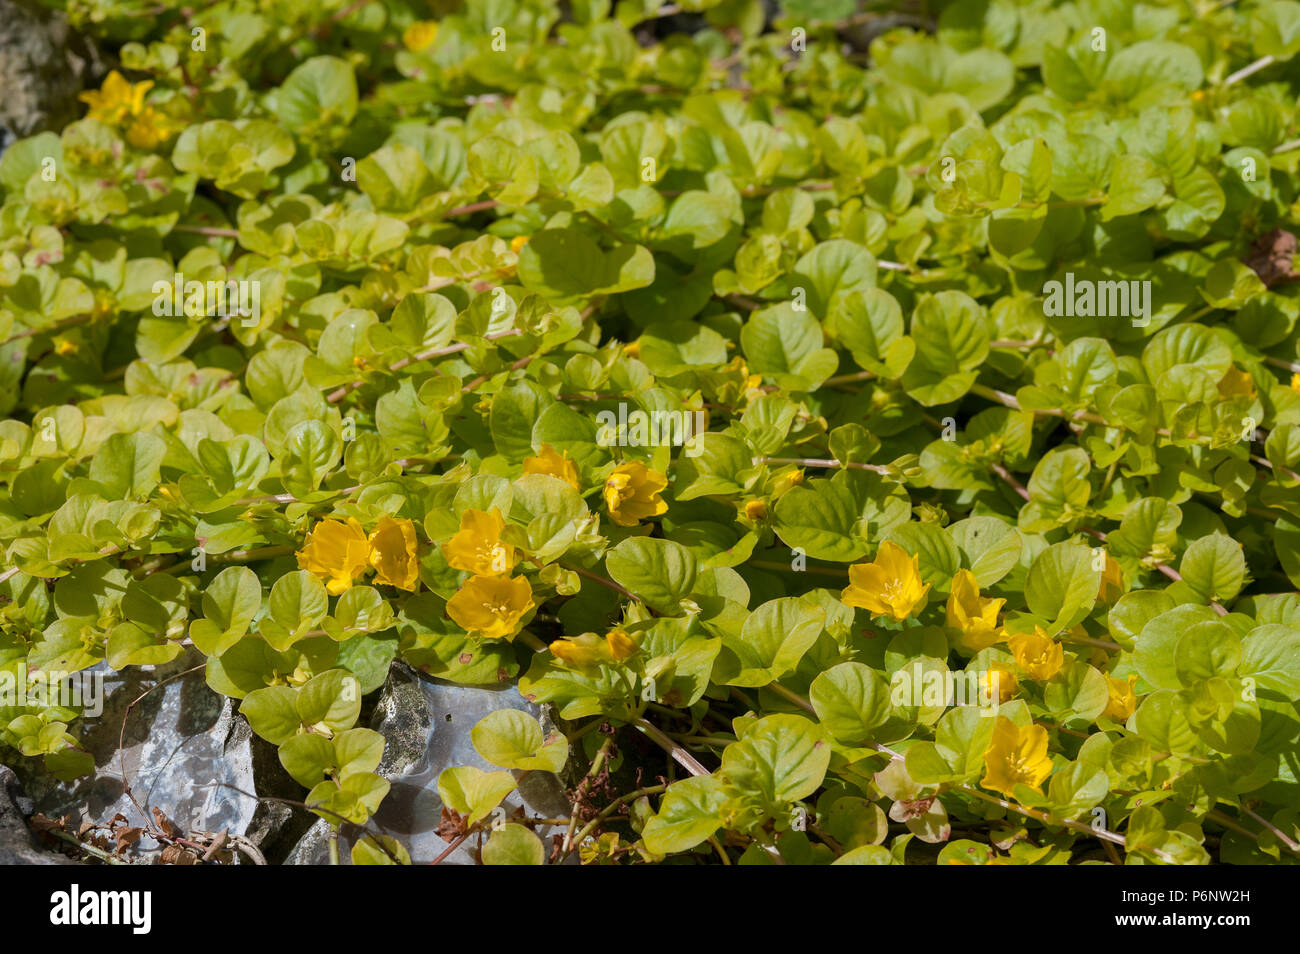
[1236,383]
[419,36]
[580,652]
[1016,756]
[1112,582]
[999,683]
[477,548]
[336,552]
[551,462]
[632,493]
[621,645]
[1037,654]
[971,618]
[393,553]
[491,606]
[791,478]
[1121,699]
[588,651]
[116,99]
[888,586]
[149,130]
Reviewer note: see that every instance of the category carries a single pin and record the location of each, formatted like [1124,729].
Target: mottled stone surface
[18,844]
[426,724]
[43,66]
[186,753]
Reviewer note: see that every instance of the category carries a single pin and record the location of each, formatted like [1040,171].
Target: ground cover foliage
[894,435]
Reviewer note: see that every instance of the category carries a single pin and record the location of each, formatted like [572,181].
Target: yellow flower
[1295,382]
[580,652]
[1037,654]
[64,345]
[621,645]
[477,548]
[1122,699]
[555,464]
[589,650]
[748,381]
[632,493]
[120,101]
[888,586]
[971,617]
[1016,756]
[1235,382]
[756,510]
[1112,582]
[491,606]
[117,99]
[791,478]
[1000,683]
[149,129]
[633,350]
[337,553]
[517,243]
[419,36]
[392,553]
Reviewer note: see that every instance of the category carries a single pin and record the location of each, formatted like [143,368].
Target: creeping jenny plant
[950,508]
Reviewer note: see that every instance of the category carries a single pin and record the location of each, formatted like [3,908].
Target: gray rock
[426,724]
[277,824]
[186,754]
[44,64]
[17,842]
